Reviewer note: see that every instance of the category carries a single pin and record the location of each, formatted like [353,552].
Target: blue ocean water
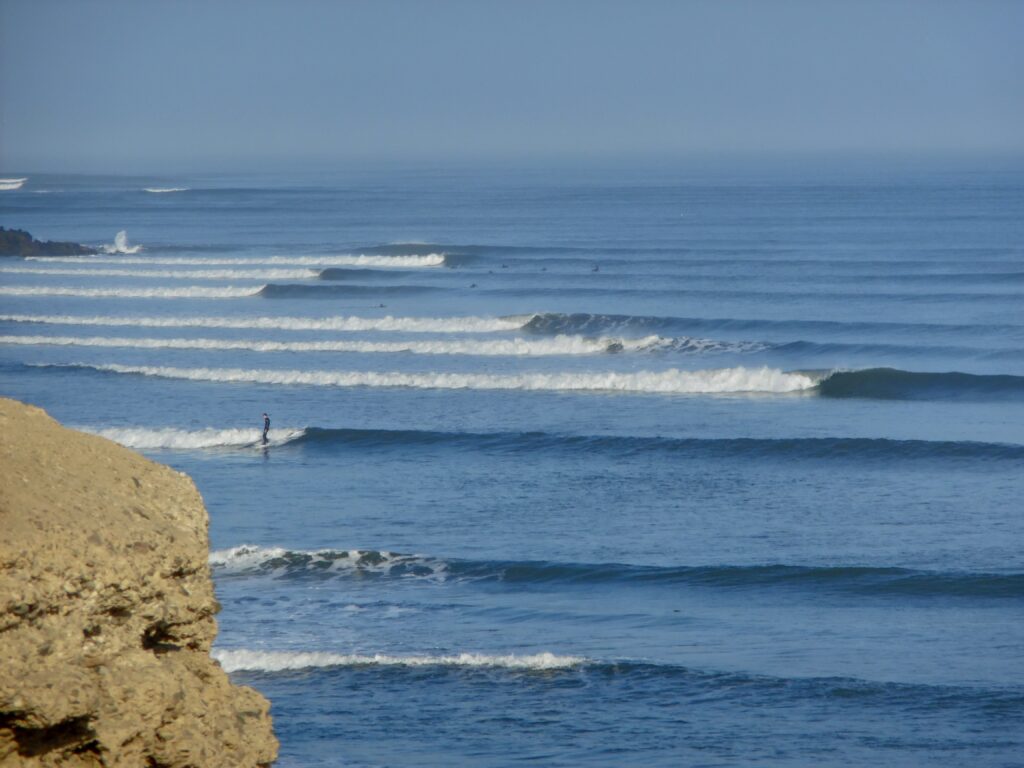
[572,468]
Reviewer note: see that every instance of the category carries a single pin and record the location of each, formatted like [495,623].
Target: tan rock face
[107,611]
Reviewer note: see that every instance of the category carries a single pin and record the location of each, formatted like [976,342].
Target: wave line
[674,381]
[279,661]
[343,260]
[189,292]
[338,323]
[205,274]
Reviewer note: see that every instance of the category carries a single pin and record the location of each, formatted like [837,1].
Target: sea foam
[179,439]
[193,274]
[558,345]
[188,292]
[249,560]
[9,185]
[674,381]
[339,323]
[235,660]
[342,260]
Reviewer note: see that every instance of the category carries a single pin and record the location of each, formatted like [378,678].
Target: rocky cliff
[107,611]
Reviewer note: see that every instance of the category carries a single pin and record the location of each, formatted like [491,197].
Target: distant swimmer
[266,427]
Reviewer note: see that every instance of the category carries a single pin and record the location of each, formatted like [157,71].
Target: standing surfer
[266,427]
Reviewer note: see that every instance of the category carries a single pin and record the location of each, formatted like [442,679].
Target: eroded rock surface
[107,611]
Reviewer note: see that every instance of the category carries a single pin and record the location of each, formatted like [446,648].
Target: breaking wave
[556,322]
[200,274]
[339,323]
[874,383]
[343,260]
[9,185]
[282,563]
[712,381]
[279,661]
[165,190]
[189,292]
[180,439]
[532,443]
[296,291]
[120,245]
[643,678]
[556,345]
[845,579]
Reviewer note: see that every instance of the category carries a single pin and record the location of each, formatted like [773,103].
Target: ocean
[579,467]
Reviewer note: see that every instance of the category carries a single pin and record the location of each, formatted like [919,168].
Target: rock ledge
[107,611]
[18,242]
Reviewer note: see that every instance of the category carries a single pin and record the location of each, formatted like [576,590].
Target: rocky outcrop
[18,242]
[107,611]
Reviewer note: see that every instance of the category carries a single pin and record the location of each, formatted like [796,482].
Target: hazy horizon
[119,87]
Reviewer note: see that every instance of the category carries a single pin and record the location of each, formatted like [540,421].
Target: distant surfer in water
[266,427]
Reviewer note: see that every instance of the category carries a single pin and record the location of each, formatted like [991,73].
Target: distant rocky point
[107,612]
[18,242]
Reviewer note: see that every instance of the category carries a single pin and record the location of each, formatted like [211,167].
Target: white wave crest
[279,661]
[275,561]
[7,185]
[343,260]
[340,323]
[179,439]
[244,559]
[165,190]
[189,292]
[674,381]
[556,345]
[121,244]
[202,274]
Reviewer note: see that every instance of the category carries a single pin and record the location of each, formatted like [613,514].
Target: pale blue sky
[126,86]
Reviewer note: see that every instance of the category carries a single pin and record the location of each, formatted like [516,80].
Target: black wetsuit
[266,428]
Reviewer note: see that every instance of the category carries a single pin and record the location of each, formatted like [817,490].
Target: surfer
[266,427]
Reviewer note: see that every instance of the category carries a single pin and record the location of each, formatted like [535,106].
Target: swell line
[872,383]
[201,274]
[190,292]
[325,564]
[339,323]
[236,660]
[674,381]
[532,443]
[352,260]
[556,345]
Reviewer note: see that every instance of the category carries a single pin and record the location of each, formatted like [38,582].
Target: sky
[129,86]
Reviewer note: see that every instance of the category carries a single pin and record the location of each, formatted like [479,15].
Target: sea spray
[121,245]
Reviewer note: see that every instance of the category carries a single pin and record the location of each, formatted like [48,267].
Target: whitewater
[339,323]
[720,381]
[341,260]
[190,292]
[556,345]
[208,274]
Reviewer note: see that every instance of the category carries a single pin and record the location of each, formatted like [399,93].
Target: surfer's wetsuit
[266,428]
